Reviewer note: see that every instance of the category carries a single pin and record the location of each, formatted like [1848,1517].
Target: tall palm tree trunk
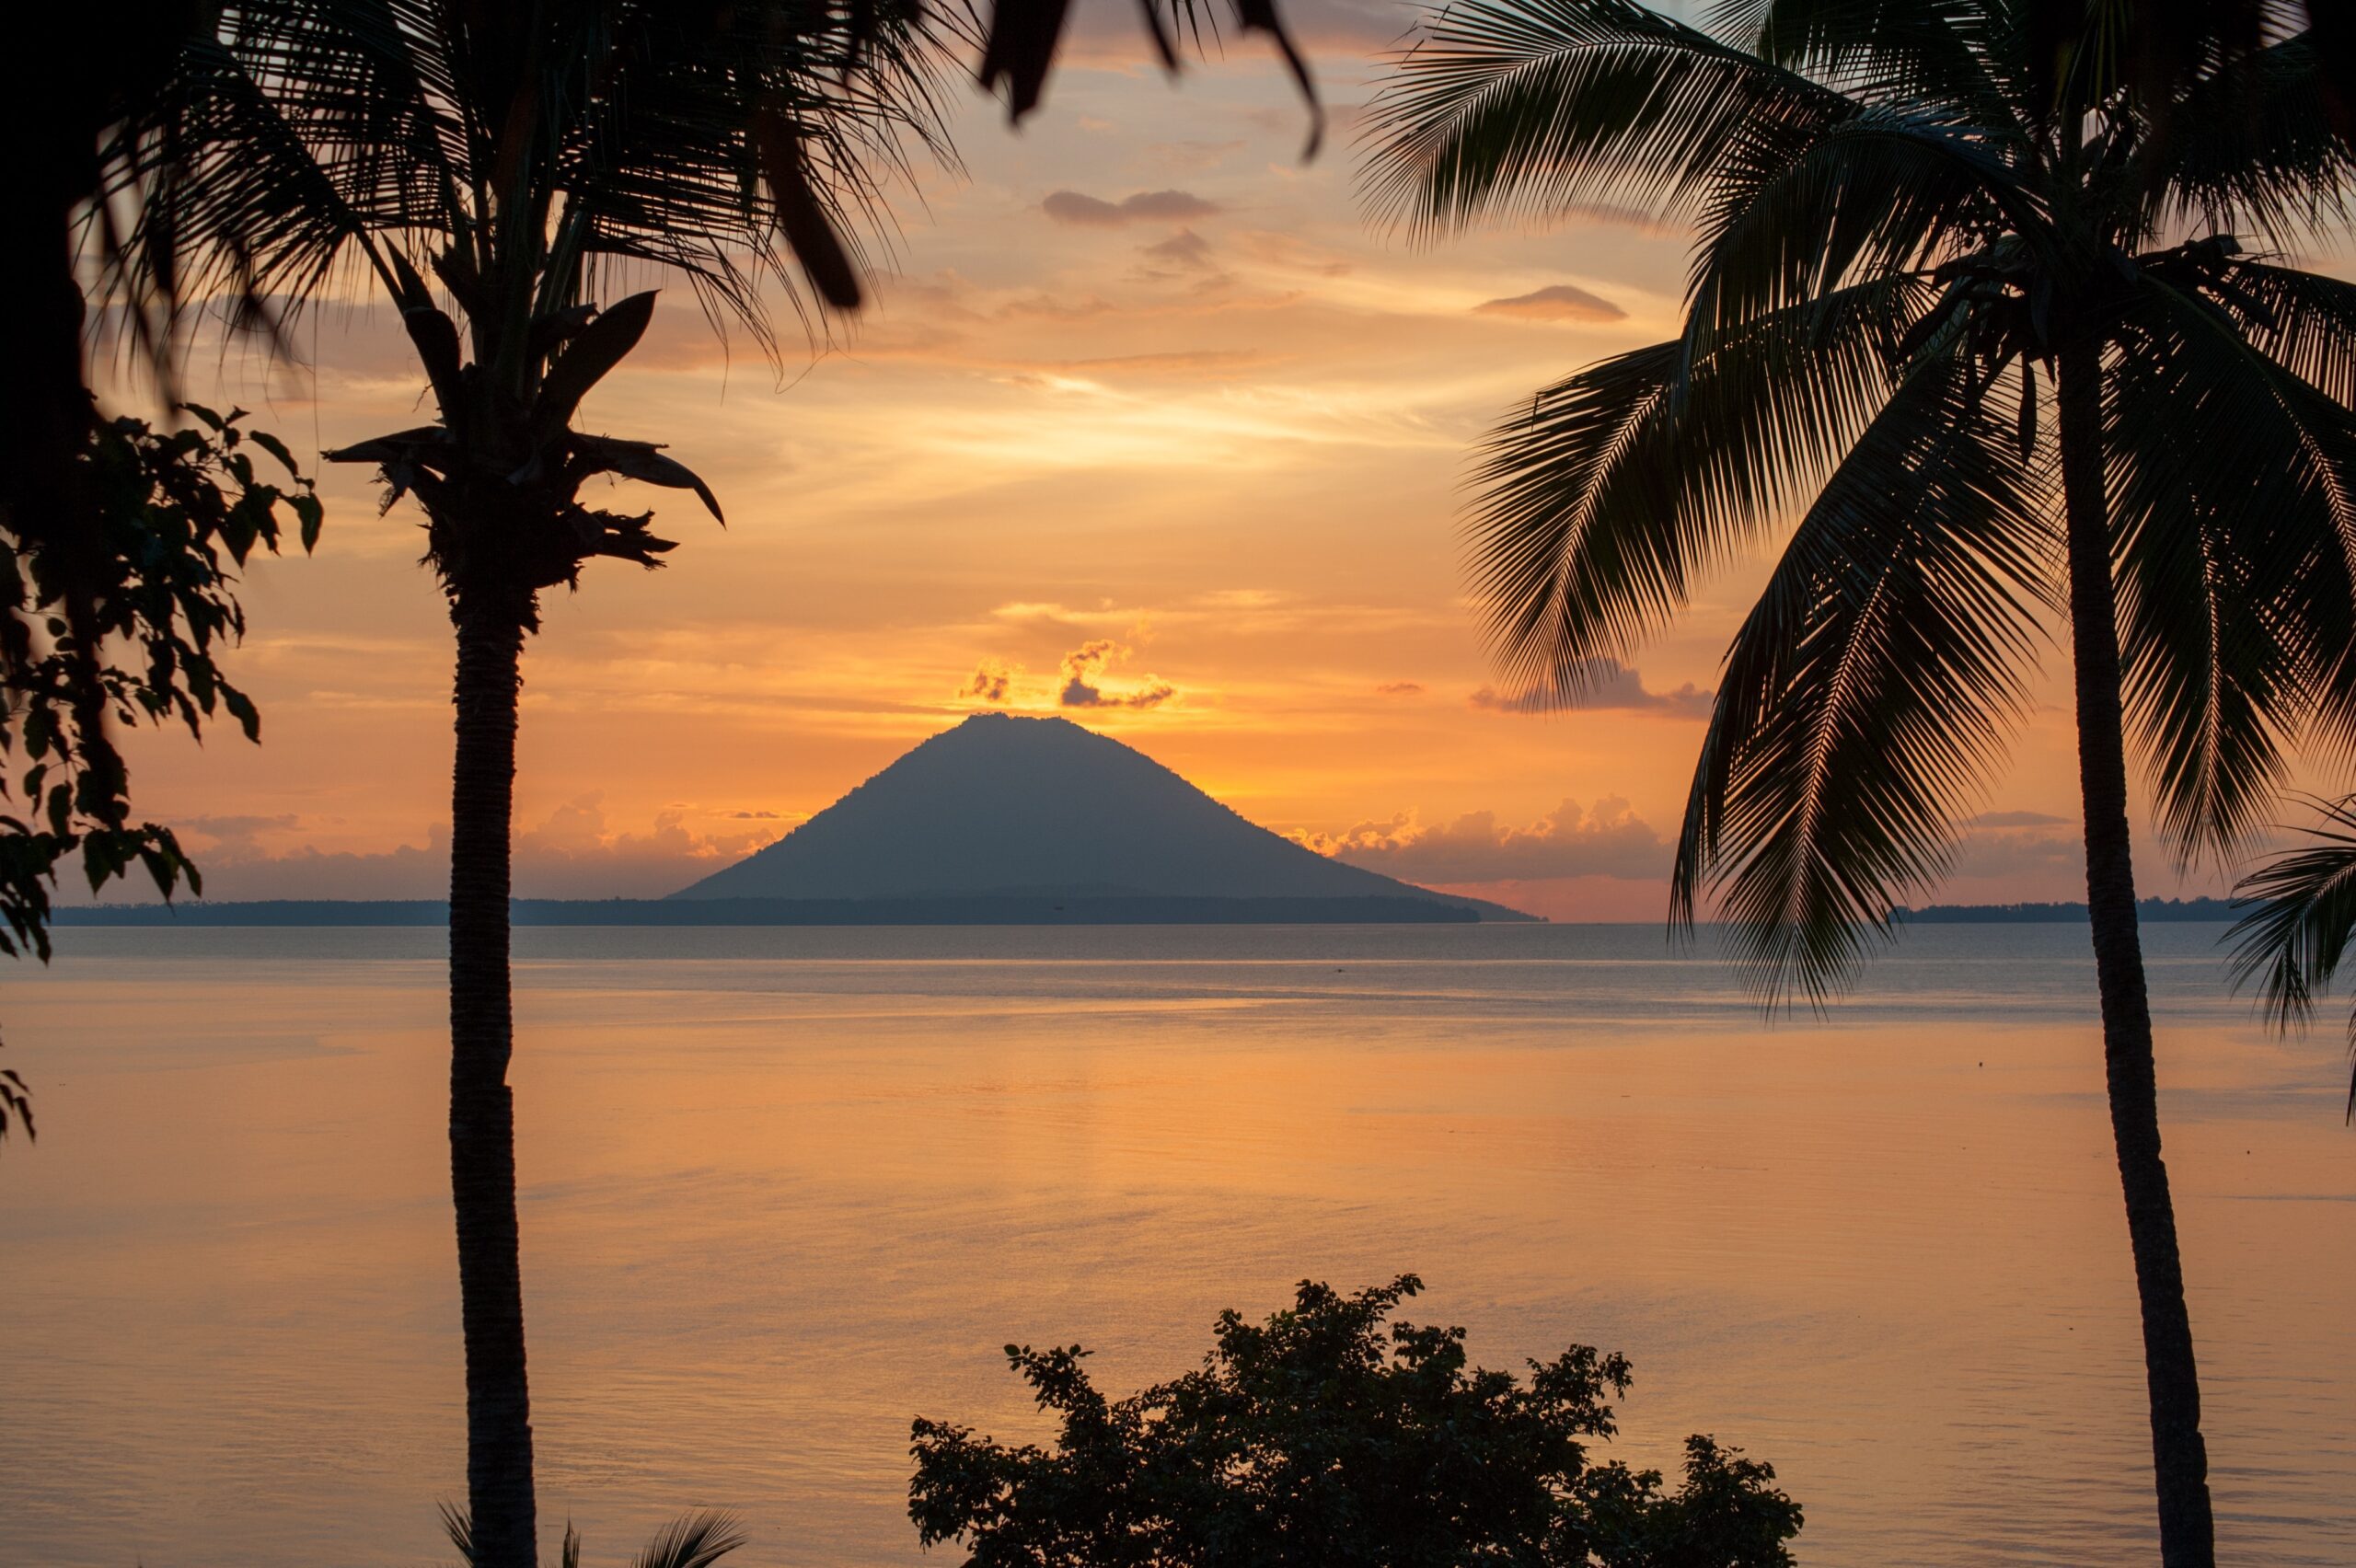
[2179,1458]
[482,1108]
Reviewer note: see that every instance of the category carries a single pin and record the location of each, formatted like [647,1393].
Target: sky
[1151,426]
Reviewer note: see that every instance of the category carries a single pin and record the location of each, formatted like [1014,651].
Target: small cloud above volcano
[1085,665]
[990,682]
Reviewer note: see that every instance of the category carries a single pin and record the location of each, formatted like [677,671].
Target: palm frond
[640,135]
[2304,321]
[1792,215]
[1534,106]
[667,160]
[17,1104]
[1947,52]
[1596,510]
[229,199]
[2237,548]
[2252,148]
[1880,673]
[694,1540]
[2292,943]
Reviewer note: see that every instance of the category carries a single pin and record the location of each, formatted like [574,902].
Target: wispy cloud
[1185,252]
[1570,841]
[573,853]
[1556,302]
[1606,685]
[1146,206]
[2018,819]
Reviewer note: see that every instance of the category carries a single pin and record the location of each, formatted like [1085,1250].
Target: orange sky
[1146,383]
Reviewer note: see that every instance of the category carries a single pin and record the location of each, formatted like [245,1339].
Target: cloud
[231,838]
[1556,302]
[575,853]
[2034,860]
[1085,665]
[1605,686]
[2018,819]
[1193,363]
[1609,841]
[1146,206]
[990,682]
[1183,251]
[1530,701]
[1399,688]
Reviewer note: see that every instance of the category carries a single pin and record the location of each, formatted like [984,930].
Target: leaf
[2025,435]
[1536,108]
[696,1540]
[639,460]
[1876,678]
[277,449]
[801,217]
[593,351]
[242,707]
[2300,932]
[1596,509]
[1260,15]
[401,446]
[549,331]
[1149,12]
[2233,502]
[313,515]
[1018,50]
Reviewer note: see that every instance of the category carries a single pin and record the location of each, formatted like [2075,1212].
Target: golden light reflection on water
[786,1188]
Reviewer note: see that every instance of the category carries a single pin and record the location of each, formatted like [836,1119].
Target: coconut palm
[1991,347]
[2292,943]
[524,157]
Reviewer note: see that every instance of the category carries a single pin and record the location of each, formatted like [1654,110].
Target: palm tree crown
[521,158]
[1899,234]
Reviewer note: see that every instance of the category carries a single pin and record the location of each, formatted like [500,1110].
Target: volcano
[1005,808]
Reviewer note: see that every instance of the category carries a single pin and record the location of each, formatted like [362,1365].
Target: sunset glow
[1144,382]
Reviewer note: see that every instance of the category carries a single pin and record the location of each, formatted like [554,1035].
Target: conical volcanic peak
[1005,806]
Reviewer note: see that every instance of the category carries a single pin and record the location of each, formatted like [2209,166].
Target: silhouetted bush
[1319,1440]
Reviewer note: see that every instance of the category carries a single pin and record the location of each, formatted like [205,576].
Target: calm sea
[785,1189]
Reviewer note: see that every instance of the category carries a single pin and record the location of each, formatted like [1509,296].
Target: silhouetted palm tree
[2013,356]
[523,157]
[2292,944]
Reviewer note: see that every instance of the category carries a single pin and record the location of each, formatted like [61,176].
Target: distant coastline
[2149,909]
[979,910]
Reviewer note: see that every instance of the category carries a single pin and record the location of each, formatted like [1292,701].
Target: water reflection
[785,1189]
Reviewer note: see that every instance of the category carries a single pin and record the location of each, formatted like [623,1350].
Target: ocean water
[785,1189]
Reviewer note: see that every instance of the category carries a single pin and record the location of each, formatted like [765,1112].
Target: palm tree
[526,157]
[2292,943]
[2011,347]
